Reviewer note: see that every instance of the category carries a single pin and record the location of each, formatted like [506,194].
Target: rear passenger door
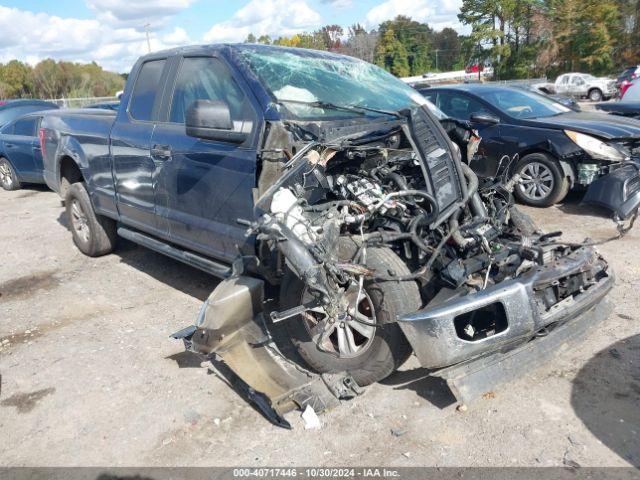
[22,147]
[204,186]
[134,169]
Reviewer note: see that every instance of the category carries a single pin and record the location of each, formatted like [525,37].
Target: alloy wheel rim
[348,337]
[537,181]
[79,221]
[5,175]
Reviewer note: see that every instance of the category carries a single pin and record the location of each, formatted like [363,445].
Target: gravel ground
[91,377]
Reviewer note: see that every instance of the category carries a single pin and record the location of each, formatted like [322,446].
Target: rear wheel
[543,182]
[94,235]
[366,343]
[8,178]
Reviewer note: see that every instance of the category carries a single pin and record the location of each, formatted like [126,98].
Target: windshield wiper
[359,109]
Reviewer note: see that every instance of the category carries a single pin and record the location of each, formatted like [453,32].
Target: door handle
[10,145]
[161,152]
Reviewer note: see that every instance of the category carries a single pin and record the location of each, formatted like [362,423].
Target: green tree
[586,33]
[391,54]
[447,49]
[251,38]
[17,79]
[417,40]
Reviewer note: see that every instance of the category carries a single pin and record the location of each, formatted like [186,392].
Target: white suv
[584,85]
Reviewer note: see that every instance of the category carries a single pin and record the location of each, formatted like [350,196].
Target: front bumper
[522,305]
[618,191]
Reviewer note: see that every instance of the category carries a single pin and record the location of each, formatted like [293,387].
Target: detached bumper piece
[519,319]
[618,191]
[231,327]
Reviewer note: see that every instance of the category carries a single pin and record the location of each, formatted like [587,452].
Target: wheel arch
[69,170]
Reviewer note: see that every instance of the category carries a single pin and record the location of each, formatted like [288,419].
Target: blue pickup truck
[329,180]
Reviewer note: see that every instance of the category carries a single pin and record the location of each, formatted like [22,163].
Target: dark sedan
[20,153]
[553,148]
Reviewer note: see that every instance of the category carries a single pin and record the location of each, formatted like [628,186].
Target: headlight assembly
[596,148]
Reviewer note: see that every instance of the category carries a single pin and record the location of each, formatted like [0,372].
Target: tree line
[518,38]
[51,79]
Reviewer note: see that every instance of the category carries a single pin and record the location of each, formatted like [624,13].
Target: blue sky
[111,32]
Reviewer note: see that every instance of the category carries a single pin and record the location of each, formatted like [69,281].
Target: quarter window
[145,90]
[25,127]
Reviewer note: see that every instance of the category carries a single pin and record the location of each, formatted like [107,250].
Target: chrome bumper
[434,332]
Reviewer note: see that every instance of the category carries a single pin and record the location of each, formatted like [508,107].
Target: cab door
[578,86]
[134,170]
[205,186]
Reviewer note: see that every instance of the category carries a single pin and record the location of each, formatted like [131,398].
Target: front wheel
[543,183]
[94,235]
[8,178]
[595,95]
[366,343]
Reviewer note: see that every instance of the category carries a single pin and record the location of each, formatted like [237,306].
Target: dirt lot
[91,377]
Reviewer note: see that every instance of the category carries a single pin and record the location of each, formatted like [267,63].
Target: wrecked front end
[379,237]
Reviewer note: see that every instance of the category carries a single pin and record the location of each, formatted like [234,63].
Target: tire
[595,95]
[544,182]
[94,235]
[8,178]
[386,348]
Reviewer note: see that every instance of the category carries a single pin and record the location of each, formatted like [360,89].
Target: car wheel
[543,182]
[367,344]
[595,95]
[94,235]
[8,178]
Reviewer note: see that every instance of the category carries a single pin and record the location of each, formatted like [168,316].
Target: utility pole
[437,58]
[146,29]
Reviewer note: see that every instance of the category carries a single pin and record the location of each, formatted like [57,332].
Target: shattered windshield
[310,85]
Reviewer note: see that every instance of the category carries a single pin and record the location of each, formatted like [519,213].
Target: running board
[184,256]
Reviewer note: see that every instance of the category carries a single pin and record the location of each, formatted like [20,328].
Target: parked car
[568,102]
[11,109]
[552,147]
[105,105]
[629,104]
[20,153]
[584,85]
[329,179]
[628,75]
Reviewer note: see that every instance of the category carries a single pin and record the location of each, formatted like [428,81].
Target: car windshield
[310,85]
[524,104]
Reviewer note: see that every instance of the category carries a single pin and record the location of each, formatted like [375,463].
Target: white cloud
[32,37]
[437,13]
[265,17]
[136,13]
[339,4]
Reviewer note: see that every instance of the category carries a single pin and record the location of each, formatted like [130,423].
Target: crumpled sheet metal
[231,326]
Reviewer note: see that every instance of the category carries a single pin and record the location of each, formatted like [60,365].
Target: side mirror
[211,120]
[484,117]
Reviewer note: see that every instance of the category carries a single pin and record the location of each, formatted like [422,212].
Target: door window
[25,127]
[459,106]
[145,90]
[206,78]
